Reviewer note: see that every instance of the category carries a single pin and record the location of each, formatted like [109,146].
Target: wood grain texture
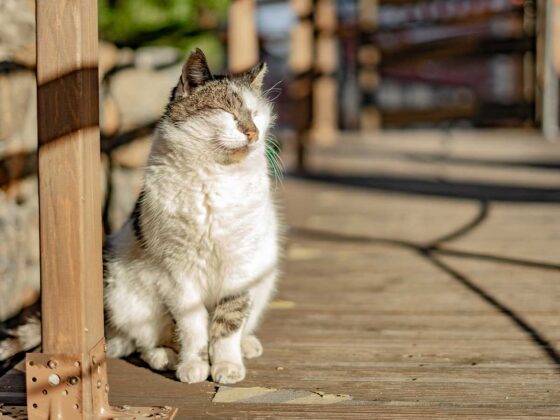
[69,189]
[69,167]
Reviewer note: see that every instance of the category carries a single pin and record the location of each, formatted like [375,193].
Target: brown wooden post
[551,82]
[368,61]
[69,379]
[243,45]
[325,103]
[556,37]
[301,66]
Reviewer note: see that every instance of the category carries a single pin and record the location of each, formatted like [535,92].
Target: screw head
[52,364]
[73,380]
[54,379]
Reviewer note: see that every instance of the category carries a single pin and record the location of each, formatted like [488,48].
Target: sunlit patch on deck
[259,395]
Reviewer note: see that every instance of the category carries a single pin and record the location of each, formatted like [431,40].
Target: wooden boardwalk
[422,279]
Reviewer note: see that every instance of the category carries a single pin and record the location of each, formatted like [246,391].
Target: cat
[188,276]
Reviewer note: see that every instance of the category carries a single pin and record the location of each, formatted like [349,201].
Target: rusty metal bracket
[101,407]
[54,385]
[57,384]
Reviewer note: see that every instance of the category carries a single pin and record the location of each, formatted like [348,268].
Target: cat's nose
[252,136]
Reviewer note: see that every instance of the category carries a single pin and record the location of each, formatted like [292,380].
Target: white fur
[210,230]
[24,338]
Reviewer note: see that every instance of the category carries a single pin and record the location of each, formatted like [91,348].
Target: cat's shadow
[135,360]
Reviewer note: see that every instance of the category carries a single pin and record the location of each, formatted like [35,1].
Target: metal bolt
[98,384]
[54,379]
[52,364]
[73,380]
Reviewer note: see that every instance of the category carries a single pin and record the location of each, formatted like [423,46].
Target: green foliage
[154,22]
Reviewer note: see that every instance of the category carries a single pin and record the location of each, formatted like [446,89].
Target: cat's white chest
[231,227]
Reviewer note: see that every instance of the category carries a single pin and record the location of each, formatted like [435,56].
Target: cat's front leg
[260,296]
[225,338]
[191,317]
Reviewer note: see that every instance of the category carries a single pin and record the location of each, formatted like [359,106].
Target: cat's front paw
[193,372]
[228,373]
[251,347]
[119,346]
[160,358]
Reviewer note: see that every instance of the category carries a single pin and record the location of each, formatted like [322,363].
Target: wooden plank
[69,187]
[551,82]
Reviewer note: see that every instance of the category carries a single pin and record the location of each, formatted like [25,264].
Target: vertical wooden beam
[556,37]
[69,187]
[69,168]
[301,67]
[551,102]
[325,103]
[243,45]
[368,60]
[69,379]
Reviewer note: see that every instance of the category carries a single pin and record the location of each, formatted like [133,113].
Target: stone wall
[19,228]
[134,88]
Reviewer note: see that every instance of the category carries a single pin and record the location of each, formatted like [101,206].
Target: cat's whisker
[273,87]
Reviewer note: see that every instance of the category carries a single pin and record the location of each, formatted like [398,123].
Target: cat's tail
[22,338]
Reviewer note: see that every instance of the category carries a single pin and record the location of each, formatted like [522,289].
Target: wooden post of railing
[243,44]
[550,92]
[69,379]
[368,61]
[301,66]
[325,103]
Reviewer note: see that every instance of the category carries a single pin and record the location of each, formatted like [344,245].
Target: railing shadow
[431,250]
[425,187]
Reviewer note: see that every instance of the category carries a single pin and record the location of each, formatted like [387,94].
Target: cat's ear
[255,76]
[195,73]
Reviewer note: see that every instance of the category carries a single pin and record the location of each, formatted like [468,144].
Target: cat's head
[224,118]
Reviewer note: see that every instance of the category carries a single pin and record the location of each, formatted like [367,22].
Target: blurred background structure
[404,126]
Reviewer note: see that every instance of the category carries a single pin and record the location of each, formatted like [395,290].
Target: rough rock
[17,31]
[108,58]
[109,116]
[141,95]
[18,112]
[19,247]
[126,184]
[134,154]
[154,57]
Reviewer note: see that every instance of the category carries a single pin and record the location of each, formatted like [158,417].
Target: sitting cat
[188,276]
